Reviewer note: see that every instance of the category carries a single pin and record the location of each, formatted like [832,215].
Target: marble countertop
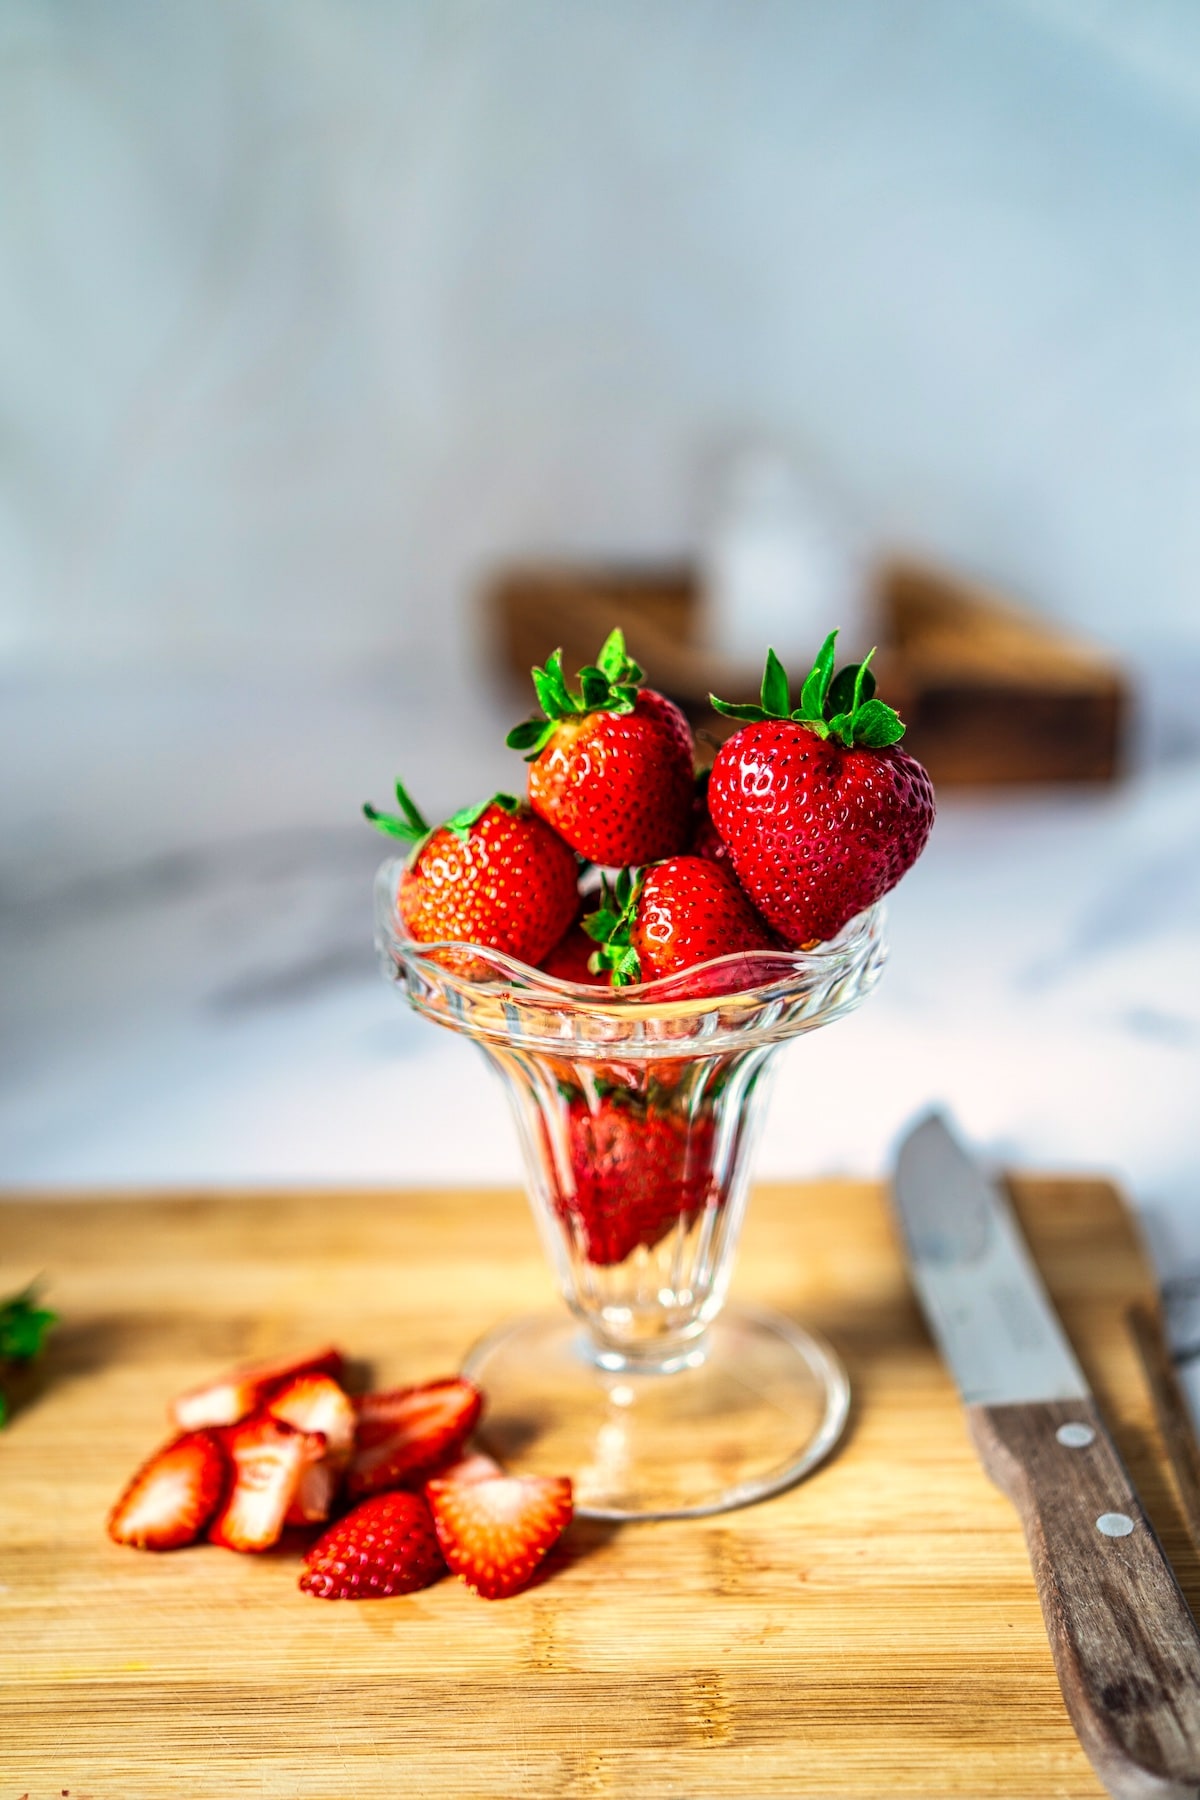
[191,998]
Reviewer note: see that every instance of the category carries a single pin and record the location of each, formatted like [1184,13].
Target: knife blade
[1125,1645]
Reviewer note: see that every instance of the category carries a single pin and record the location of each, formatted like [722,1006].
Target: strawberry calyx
[611,927]
[411,827]
[610,684]
[841,706]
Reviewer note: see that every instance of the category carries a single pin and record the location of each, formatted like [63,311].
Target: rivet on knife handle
[1125,1644]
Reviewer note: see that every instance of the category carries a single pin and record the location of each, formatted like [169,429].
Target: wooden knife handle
[1125,1644]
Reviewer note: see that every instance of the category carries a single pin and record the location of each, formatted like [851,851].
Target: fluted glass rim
[516,1003]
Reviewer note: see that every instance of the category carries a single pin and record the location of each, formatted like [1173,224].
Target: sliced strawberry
[408,1433]
[386,1546]
[269,1460]
[173,1496]
[242,1391]
[317,1403]
[495,1533]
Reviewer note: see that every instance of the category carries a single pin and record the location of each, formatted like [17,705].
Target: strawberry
[493,875]
[635,1171]
[406,1434]
[317,1403]
[610,766]
[236,1395]
[385,1546]
[269,1460]
[495,1533]
[173,1496]
[672,916]
[821,811]
[570,960]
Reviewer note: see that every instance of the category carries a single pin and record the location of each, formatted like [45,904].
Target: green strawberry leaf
[733,709]
[409,808]
[461,822]
[389,824]
[626,969]
[23,1329]
[594,686]
[816,687]
[875,725]
[776,695]
[850,685]
[530,734]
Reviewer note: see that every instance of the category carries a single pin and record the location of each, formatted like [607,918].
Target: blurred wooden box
[991,693]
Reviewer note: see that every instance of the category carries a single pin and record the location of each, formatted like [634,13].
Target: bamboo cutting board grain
[873,1632]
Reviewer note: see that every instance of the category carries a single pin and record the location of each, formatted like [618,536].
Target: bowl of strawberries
[630,946]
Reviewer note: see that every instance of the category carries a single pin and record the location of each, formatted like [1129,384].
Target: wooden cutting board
[872,1632]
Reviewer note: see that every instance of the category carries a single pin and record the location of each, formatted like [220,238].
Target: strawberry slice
[385,1546]
[173,1496]
[406,1434]
[317,1403]
[494,1533]
[269,1460]
[242,1391]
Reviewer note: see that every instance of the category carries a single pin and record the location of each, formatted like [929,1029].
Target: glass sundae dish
[637,1109]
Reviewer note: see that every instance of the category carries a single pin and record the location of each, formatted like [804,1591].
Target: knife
[1124,1642]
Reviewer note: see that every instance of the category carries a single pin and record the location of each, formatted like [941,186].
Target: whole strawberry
[610,765]
[636,1169]
[492,875]
[821,812]
[677,913]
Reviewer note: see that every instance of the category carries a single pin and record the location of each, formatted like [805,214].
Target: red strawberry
[610,767]
[406,1434]
[269,1459]
[172,1497]
[492,875]
[495,1533]
[636,1170]
[672,916]
[821,812]
[236,1395]
[316,1403]
[569,960]
[385,1546]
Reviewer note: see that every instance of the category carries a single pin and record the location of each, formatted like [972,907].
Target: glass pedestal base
[748,1410]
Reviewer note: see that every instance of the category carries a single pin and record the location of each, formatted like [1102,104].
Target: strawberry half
[493,875]
[407,1433]
[495,1533]
[316,1403]
[820,810]
[386,1546]
[672,916]
[610,765]
[242,1391]
[269,1460]
[173,1496]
